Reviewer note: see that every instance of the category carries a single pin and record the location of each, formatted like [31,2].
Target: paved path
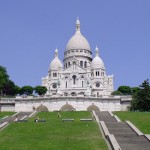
[10,119]
[124,134]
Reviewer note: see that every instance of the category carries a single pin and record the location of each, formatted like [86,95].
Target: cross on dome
[56,53]
[77,24]
[97,51]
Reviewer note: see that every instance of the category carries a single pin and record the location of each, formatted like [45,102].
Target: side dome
[56,63]
[97,61]
[78,41]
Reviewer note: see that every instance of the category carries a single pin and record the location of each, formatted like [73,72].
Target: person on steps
[16,118]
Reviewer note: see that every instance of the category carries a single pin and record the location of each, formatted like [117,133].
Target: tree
[26,90]
[141,100]
[125,90]
[4,78]
[116,93]
[17,89]
[135,90]
[41,90]
[9,88]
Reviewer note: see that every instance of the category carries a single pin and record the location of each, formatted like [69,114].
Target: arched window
[68,64]
[74,65]
[81,63]
[97,94]
[85,64]
[98,73]
[74,79]
[54,74]
[82,83]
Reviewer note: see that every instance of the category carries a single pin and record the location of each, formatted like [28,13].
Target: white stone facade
[79,75]
[104,103]
[77,104]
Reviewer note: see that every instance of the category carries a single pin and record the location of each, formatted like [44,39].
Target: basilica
[79,74]
[80,83]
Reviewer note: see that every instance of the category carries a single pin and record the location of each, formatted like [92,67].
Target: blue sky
[30,30]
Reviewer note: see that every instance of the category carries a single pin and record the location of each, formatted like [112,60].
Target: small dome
[97,61]
[78,41]
[56,63]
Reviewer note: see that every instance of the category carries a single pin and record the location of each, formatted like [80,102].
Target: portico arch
[93,108]
[67,107]
[41,108]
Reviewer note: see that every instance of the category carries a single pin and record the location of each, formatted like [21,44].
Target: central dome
[78,41]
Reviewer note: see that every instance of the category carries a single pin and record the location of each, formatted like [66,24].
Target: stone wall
[65,103]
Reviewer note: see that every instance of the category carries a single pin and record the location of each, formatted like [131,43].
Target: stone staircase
[124,134]
[19,116]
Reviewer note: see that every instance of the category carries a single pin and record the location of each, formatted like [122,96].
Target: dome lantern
[56,53]
[97,51]
[78,25]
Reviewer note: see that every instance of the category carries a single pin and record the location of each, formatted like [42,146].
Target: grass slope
[140,119]
[53,134]
[3,114]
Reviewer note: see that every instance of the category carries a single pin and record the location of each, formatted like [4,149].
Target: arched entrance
[93,108]
[41,108]
[67,107]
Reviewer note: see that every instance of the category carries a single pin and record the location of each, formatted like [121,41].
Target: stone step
[19,116]
[121,132]
[107,119]
[117,125]
[10,119]
[132,139]
[134,146]
[103,113]
[124,134]
[24,114]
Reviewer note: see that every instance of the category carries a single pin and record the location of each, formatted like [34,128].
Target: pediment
[77,69]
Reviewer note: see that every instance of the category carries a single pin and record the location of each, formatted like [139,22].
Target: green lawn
[140,119]
[53,134]
[3,114]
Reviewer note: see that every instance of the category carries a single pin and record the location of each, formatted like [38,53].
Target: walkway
[20,115]
[124,134]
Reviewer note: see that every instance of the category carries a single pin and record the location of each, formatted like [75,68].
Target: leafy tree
[116,93]
[141,100]
[125,90]
[4,78]
[17,89]
[135,90]
[41,90]
[9,88]
[26,90]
